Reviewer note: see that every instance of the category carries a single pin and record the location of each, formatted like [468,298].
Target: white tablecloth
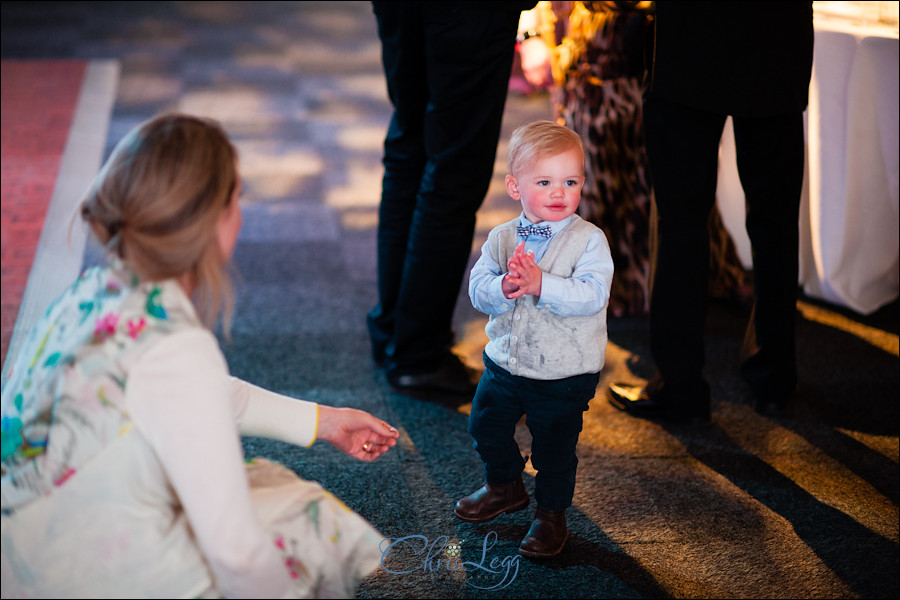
[849,232]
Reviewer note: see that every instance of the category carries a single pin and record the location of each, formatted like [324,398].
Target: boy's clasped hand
[524,276]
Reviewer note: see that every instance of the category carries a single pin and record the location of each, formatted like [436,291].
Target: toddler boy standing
[544,279]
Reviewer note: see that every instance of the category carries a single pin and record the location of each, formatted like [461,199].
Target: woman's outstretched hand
[355,432]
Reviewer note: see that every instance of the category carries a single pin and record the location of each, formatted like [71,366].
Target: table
[849,231]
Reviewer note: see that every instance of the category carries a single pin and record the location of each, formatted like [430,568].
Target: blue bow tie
[538,230]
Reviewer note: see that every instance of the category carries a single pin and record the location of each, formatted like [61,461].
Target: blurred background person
[447,66]
[751,62]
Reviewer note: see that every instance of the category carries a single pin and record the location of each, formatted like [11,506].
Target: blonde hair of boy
[538,140]
[156,203]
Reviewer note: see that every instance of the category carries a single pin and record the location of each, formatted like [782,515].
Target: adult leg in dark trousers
[447,72]
[770,155]
[682,146]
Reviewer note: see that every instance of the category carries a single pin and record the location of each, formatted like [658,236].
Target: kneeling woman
[122,469]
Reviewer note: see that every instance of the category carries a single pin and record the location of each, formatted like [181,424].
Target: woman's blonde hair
[157,201]
[537,140]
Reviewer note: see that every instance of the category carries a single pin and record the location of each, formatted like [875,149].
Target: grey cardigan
[535,342]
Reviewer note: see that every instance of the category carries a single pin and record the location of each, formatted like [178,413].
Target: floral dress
[89,509]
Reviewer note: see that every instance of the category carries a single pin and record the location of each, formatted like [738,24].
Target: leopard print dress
[598,95]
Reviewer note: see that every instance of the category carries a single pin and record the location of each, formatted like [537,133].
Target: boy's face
[550,188]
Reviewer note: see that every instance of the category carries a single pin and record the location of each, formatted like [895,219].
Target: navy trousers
[555,410]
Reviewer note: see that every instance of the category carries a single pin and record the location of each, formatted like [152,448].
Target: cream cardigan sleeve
[182,400]
[262,413]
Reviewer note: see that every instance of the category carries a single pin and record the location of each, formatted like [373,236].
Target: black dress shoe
[451,377]
[547,535]
[772,405]
[638,401]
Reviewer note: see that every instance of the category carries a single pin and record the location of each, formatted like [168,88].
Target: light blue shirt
[586,292]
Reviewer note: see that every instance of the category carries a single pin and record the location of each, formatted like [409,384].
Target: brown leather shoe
[491,500]
[547,536]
